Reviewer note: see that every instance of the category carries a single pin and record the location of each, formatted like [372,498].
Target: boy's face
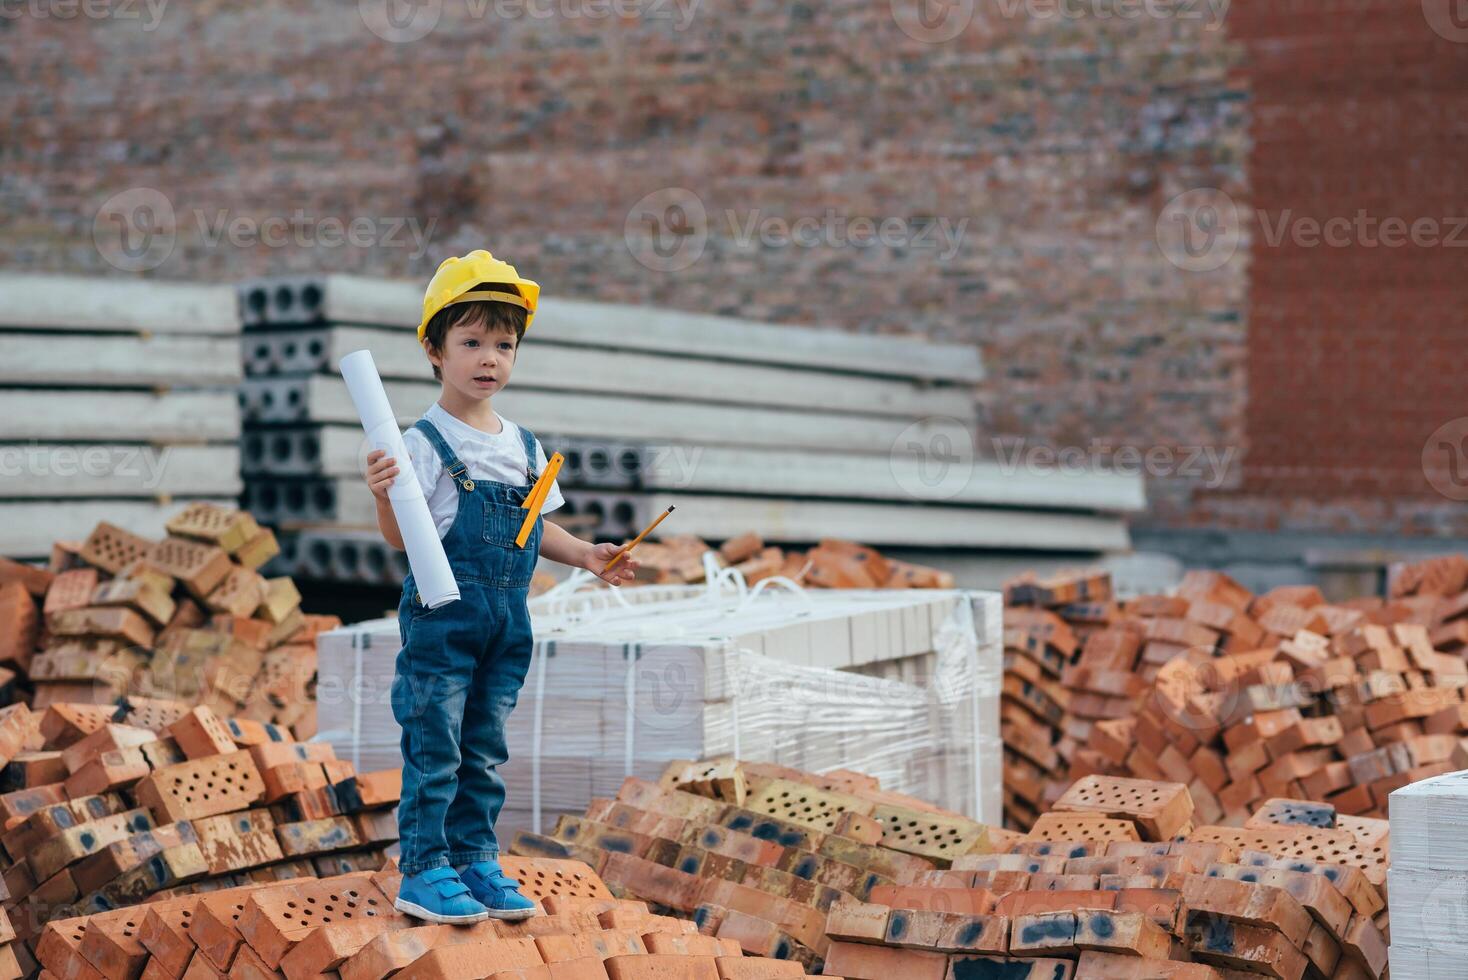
[476,360]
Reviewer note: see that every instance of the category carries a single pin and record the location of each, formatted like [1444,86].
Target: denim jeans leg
[434,669]
[493,694]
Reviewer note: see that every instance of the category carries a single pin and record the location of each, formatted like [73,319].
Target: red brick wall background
[1357,107]
[1054,142]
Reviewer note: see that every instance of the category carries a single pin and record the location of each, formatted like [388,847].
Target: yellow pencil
[536,498]
[635,541]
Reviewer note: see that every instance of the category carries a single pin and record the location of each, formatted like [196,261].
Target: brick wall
[1357,109]
[1022,166]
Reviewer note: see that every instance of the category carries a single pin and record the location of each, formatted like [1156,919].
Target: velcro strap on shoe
[445,882]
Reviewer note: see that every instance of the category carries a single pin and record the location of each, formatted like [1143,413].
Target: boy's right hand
[381,468]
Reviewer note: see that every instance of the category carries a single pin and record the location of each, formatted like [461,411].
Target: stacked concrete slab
[115,397]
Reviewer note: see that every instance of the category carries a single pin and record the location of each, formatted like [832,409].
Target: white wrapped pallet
[808,679]
[1428,879]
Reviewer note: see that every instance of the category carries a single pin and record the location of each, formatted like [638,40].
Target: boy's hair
[492,316]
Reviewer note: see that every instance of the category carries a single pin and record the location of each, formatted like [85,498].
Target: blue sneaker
[489,884]
[438,895]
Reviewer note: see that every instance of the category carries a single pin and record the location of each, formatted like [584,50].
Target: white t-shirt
[488,456]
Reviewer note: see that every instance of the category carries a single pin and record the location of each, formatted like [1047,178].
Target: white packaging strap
[539,727]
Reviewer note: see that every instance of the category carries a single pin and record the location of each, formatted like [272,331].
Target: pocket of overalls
[502,523]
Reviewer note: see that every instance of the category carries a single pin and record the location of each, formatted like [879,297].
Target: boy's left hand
[600,554]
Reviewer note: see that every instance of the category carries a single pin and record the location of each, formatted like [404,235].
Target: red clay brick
[472,960]
[661,968]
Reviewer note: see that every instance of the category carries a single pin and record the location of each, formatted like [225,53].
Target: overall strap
[528,437]
[456,467]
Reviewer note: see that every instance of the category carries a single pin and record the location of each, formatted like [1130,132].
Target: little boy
[461,667]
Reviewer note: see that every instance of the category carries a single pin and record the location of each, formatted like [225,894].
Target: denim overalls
[460,671]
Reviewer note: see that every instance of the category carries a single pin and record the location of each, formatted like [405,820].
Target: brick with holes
[59,949]
[198,567]
[165,934]
[110,943]
[1159,809]
[200,733]
[112,548]
[64,724]
[273,921]
[201,787]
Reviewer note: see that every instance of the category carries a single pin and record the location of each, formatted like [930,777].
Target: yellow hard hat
[457,276]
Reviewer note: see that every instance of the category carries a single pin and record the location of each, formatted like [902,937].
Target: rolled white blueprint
[426,556]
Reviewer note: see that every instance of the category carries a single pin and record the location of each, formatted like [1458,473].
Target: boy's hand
[596,563]
[381,469]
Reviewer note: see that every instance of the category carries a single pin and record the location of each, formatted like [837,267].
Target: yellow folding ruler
[536,498]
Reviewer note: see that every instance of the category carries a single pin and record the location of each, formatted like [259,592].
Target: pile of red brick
[831,564]
[188,618]
[345,926]
[1117,881]
[757,853]
[155,799]
[1242,697]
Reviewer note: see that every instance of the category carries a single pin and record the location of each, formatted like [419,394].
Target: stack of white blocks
[902,685]
[1428,879]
